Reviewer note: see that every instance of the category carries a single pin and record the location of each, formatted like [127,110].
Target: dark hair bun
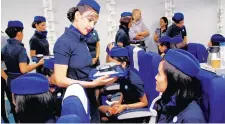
[33,25]
[71,13]
[12,31]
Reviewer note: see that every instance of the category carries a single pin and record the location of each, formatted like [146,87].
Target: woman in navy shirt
[181,90]
[122,36]
[93,43]
[38,42]
[72,57]
[14,53]
[15,56]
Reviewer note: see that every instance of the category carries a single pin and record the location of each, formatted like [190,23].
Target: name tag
[88,48]
[174,119]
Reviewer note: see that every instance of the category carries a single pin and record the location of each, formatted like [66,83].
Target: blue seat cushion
[134,113]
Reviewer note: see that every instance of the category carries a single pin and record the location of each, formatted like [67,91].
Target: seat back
[134,54]
[130,55]
[213,96]
[75,102]
[148,70]
[199,51]
[2,121]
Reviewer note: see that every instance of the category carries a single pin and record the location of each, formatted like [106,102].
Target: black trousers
[142,45]
[94,112]
[41,70]
[6,89]
[58,100]
[3,90]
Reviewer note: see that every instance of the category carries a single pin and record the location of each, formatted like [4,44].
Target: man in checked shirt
[138,30]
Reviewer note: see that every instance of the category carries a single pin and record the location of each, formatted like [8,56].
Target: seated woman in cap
[164,44]
[131,86]
[57,92]
[15,56]
[32,98]
[181,90]
[178,28]
[216,39]
[177,42]
[122,38]
[73,106]
[38,42]
[72,58]
[49,66]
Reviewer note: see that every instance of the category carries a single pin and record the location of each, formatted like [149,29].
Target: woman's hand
[94,60]
[110,46]
[120,108]
[157,38]
[104,80]
[41,62]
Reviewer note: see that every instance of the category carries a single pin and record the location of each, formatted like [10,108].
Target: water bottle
[214,58]
[222,54]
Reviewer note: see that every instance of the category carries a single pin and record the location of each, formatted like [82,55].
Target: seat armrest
[113,98]
[141,112]
[115,86]
[135,113]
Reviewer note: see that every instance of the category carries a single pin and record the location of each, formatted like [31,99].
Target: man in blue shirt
[178,28]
